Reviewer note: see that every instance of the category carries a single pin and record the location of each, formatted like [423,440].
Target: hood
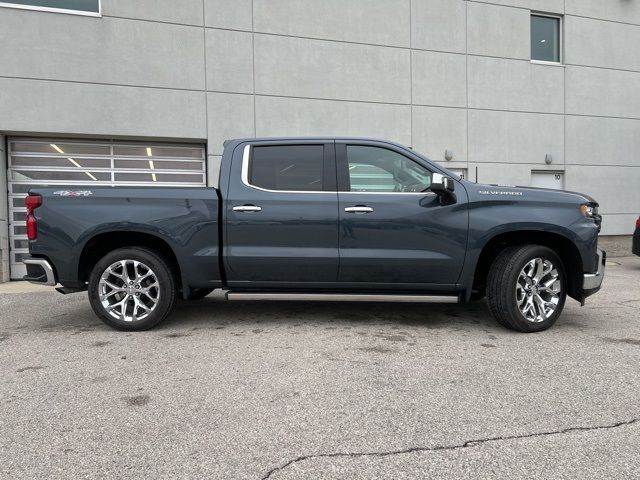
[532,193]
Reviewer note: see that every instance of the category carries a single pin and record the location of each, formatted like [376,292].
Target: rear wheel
[132,289]
[526,288]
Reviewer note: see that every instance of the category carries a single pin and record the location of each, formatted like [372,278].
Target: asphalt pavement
[254,390]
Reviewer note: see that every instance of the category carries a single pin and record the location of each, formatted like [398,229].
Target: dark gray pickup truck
[318,219]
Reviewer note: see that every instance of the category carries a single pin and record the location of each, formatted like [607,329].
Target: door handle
[358,209]
[247,208]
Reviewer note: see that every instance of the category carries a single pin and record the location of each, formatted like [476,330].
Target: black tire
[199,293]
[502,282]
[165,291]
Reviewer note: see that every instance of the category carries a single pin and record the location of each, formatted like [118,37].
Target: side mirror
[443,187]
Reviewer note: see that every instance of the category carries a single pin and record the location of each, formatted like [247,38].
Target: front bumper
[39,271]
[592,282]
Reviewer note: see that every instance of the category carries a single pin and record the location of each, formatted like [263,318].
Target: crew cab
[318,219]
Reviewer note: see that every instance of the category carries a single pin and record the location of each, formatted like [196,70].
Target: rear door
[394,233]
[282,216]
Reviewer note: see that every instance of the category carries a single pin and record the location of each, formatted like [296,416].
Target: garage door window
[69,164]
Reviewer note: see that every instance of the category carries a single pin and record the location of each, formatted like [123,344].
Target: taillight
[32,202]
[638,223]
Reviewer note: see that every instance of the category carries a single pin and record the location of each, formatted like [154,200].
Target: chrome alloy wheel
[538,290]
[129,290]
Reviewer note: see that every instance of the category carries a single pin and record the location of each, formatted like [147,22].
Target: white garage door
[73,163]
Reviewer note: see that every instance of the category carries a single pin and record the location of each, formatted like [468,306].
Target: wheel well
[562,246]
[98,246]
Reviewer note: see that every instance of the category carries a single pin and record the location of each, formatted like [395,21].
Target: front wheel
[526,288]
[132,289]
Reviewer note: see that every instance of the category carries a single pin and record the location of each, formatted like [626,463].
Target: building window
[79,7]
[545,38]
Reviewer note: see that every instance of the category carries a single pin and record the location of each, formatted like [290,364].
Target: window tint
[374,169]
[291,167]
[545,38]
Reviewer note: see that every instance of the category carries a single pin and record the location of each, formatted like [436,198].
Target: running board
[342,297]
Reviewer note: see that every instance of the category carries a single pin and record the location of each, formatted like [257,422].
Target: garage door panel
[69,164]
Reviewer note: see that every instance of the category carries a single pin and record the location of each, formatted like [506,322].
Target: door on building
[72,163]
[545,179]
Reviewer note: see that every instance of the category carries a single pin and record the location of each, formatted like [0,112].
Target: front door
[282,216]
[393,230]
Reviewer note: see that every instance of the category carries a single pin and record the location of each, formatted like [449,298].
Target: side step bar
[342,297]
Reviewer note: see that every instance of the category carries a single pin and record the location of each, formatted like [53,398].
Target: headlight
[588,210]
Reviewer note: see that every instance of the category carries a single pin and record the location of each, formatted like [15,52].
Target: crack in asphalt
[437,448]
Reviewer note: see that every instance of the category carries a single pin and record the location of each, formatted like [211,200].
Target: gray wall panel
[501,84]
[515,137]
[601,92]
[291,116]
[234,14]
[76,108]
[439,25]
[549,6]
[603,141]
[101,50]
[185,11]
[229,61]
[436,129]
[619,224]
[229,116]
[213,170]
[383,22]
[331,70]
[439,78]
[616,10]
[589,180]
[603,44]
[498,31]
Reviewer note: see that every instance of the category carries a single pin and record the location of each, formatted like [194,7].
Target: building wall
[433,74]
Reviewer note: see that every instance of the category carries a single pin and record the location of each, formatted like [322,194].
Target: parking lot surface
[321,390]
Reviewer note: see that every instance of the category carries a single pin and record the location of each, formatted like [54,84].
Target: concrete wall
[433,74]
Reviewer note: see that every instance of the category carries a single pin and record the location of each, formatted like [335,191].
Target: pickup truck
[318,219]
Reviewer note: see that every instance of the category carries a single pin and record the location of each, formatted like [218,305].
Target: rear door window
[287,167]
